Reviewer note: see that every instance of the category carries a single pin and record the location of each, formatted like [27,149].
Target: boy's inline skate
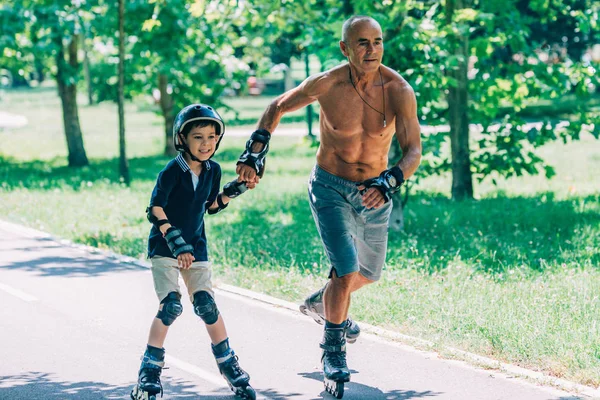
[149,385]
[229,367]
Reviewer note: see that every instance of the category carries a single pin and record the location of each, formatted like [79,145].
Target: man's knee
[205,307]
[172,308]
[344,283]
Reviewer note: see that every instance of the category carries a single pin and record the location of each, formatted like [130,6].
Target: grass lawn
[514,275]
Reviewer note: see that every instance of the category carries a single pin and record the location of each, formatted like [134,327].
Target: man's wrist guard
[388,182]
[234,188]
[176,243]
[220,206]
[153,220]
[256,160]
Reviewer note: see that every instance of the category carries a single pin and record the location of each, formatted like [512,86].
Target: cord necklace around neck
[364,101]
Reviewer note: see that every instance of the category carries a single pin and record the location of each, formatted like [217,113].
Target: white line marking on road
[17,293]
[205,375]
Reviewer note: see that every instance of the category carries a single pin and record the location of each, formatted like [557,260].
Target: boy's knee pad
[205,307]
[172,308]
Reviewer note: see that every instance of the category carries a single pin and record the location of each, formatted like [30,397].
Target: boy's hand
[246,174]
[185,260]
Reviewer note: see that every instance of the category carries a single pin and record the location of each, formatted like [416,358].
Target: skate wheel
[246,392]
[334,388]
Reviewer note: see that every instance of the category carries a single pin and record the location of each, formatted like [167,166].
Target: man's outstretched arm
[292,100]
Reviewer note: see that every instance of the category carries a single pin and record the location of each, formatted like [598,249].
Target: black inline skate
[313,307]
[149,385]
[229,367]
[335,369]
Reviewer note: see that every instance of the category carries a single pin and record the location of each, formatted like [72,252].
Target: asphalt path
[74,323]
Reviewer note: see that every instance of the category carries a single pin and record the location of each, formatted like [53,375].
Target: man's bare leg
[360,281]
[336,299]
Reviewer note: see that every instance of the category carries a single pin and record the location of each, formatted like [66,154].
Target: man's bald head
[351,22]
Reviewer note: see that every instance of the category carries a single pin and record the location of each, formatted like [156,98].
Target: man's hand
[185,260]
[379,190]
[372,197]
[251,164]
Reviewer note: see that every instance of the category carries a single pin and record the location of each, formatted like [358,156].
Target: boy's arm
[159,214]
[230,191]
[181,250]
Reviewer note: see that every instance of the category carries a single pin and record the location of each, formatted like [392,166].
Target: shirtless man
[364,104]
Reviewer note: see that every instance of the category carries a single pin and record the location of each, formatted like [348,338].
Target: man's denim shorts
[354,237]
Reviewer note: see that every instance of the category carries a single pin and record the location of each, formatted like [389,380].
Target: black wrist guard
[153,220]
[220,206]
[234,188]
[256,160]
[176,243]
[388,182]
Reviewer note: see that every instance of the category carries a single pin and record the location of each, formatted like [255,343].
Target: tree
[123,165]
[48,32]
[458,105]
[188,53]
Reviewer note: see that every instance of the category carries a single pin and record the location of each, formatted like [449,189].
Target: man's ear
[343,48]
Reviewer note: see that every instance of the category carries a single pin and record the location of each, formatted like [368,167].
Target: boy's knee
[205,307]
[172,308]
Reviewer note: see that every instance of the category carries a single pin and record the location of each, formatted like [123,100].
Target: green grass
[513,275]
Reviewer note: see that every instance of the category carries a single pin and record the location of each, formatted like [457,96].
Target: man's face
[364,45]
[202,141]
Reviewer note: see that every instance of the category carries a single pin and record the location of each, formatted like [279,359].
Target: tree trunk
[397,217]
[123,165]
[166,105]
[86,71]
[458,106]
[67,90]
[309,108]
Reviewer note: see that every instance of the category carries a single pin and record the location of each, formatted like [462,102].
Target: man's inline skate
[333,360]
[149,386]
[313,307]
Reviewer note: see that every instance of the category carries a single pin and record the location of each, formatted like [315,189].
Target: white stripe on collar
[184,165]
[181,161]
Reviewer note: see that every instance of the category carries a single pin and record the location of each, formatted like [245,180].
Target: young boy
[185,189]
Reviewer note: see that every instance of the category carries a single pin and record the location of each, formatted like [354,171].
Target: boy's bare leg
[158,332]
[217,331]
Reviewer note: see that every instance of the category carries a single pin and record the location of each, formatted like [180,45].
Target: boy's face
[202,141]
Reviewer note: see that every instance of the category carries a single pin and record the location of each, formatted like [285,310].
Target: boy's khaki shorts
[165,272]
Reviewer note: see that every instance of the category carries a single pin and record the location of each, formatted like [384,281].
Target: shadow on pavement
[357,391]
[46,260]
[41,385]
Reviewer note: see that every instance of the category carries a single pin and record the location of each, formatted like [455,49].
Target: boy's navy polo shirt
[184,206]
